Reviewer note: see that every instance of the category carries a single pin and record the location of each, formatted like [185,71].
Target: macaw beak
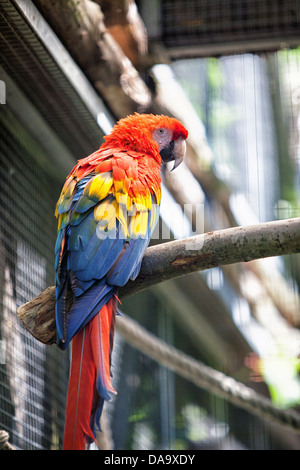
[175,151]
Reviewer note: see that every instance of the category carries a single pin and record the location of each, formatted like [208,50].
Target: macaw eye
[161,131]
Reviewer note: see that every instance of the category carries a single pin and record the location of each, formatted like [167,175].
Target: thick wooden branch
[177,258]
[123,22]
[80,25]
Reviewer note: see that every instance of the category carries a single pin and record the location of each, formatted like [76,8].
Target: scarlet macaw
[107,211]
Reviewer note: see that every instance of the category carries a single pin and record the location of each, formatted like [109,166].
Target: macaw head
[171,145]
[161,136]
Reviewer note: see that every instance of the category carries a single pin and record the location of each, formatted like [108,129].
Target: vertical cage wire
[32,386]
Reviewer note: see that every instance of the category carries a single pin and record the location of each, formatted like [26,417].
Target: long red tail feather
[89,382]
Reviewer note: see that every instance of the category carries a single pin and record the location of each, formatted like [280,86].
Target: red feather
[91,359]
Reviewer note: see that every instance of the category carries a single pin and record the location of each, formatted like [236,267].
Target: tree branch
[177,258]
[80,25]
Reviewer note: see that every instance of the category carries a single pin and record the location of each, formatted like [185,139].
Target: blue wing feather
[86,306]
[127,261]
[91,266]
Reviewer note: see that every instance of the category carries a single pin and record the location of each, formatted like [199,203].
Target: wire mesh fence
[32,377]
[205,22]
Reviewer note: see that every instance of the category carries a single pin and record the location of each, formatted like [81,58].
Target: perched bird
[107,211]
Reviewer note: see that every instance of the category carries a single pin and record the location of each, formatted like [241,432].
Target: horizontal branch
[177,258]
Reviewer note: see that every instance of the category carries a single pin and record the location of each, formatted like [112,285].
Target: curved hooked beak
[175,151]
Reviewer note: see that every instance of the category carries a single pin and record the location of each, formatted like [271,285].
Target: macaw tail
[89,382]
